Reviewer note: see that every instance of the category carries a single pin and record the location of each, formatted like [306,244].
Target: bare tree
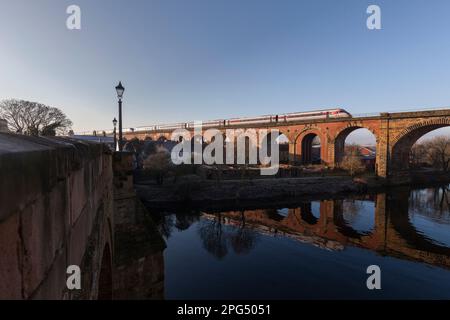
[243,239]
[352,160]
[434,152]
[214,236]
[418,155]
[34,118]
[440,152]
[158,164]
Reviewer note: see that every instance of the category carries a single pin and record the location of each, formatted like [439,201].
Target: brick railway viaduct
[395,134]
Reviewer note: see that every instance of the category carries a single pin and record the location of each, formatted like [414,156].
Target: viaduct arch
[403,142]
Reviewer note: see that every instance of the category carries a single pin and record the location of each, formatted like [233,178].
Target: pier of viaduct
[395,134]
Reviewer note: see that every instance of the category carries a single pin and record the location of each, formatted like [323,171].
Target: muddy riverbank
[193,191]
[196,192]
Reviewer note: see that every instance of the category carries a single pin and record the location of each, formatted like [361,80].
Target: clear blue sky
[205,59]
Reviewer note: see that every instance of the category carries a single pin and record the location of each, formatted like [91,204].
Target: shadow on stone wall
[139,259]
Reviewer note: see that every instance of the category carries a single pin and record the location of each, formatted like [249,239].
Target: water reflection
[413,224]
[359,214]
[410,225]
[428,212]
[181,221]
[217,239]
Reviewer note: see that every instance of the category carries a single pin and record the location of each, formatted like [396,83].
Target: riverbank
[193,191]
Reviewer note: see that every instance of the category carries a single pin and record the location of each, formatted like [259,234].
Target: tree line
[433,153]
[33,118]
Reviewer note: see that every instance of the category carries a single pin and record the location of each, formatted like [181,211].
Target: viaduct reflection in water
[385,223]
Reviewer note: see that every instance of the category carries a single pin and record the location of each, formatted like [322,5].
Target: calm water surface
[313,250]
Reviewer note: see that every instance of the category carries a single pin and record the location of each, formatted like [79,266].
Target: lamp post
[115,134]
[120,89]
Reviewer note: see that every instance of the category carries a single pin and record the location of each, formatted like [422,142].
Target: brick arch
[264,138]
[285,132]
[339,140]
[436,122]
[162,138]
[316,130]
[197,138]
[283,149]
[148,138]
[403,142]
[303,144]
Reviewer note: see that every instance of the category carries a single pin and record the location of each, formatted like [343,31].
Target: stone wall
[56,210]
[139,247]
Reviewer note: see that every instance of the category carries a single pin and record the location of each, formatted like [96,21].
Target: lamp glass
[120,89]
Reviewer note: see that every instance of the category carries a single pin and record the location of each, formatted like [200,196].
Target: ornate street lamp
[115,134]
[120,89]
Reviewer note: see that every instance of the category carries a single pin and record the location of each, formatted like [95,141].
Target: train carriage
[278,118]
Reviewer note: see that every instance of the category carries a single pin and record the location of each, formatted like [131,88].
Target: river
[312,250]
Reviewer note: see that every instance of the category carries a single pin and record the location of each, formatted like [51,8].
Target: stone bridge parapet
[56,210]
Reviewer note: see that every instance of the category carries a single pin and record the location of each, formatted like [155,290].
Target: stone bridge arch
[265,138]
[403,142]
[302,145]
[148,138]
[162,138]
[338,143]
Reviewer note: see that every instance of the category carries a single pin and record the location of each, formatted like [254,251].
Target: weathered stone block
[11,259]
[54,285]
[50,191]
[77,195]
[36,233]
